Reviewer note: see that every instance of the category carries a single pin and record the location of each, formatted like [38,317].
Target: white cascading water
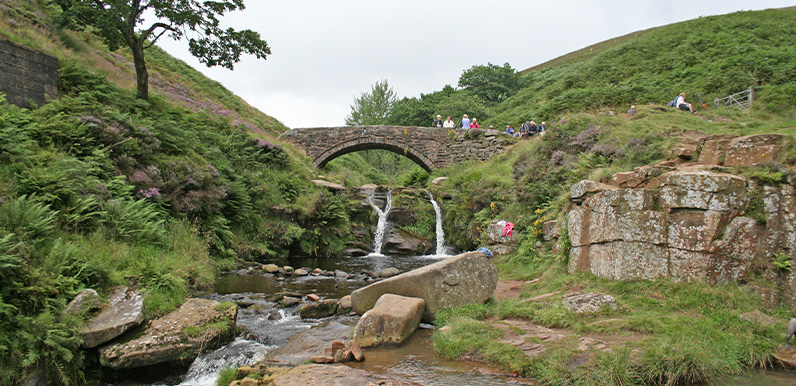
[441,250]
[206,368]
[381,225]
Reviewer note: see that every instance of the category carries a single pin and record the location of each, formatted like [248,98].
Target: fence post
[751,95]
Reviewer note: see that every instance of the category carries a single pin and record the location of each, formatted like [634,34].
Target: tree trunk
[141,73]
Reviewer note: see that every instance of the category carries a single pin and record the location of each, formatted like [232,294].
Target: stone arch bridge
[431,148]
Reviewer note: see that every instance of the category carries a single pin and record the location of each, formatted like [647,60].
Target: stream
[415,362]
[265,325]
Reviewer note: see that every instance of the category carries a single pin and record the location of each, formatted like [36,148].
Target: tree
[118,21]
[374,107]
[492,83]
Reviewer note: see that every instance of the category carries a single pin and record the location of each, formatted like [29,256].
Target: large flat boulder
[392,320]
[198,325]
[305,344]
[325,375]
[125,309]
[469,278]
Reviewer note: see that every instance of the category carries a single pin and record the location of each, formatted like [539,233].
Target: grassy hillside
[670,342]
[707,58]
[99,188]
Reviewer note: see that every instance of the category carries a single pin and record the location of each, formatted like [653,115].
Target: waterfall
[441,250]
[206,368]
[381,226]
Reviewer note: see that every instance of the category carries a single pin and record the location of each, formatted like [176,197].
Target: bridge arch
[355,145]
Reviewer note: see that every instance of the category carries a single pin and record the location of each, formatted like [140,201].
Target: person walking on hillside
[681,104]
[437,122]
[465,122]
[448,124]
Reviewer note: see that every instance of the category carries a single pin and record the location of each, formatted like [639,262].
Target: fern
[134,220]
[27,218]
[80,214]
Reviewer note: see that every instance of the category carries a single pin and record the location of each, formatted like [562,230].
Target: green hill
[592,138]
[99,188]
[709,57]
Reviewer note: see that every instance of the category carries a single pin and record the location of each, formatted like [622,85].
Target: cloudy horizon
[325,54]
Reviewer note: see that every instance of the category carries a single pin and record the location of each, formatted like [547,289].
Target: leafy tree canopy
[492,83]
[374,107]
[119,23]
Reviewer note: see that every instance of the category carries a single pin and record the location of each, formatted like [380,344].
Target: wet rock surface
[312,342]
[124,310]
[392,320]
[469,278]
[199,324]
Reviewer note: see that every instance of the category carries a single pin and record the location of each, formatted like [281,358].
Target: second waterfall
[381,225]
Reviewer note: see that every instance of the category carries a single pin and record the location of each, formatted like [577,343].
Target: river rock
[271,268]
[344,306]
[314,341]
[320,359]
[317,310]
[84,301]
[289,301]
[469,278]
[580,303]
[198,325]
[325,375]
[125,309]
[301,272]
[288,270]
[313,297]
[356,351]
[392,320]
[388,272]
[400,245]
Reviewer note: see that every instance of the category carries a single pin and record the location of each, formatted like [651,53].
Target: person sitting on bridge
[448,124]
[465,122]
[437,122]
[474,124]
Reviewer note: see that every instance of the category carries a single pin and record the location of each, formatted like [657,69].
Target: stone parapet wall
[27,76]
[431,148]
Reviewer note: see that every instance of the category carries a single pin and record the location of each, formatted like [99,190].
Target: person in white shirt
[448,124]
[681,104]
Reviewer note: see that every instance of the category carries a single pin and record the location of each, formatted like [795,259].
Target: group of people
[527,130]
[465,123]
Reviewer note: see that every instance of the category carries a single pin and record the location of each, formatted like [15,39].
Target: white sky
[325,53]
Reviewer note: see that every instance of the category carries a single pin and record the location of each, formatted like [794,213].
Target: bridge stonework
[431,148]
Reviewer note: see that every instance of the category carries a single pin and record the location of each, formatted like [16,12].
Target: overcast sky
[325,53]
